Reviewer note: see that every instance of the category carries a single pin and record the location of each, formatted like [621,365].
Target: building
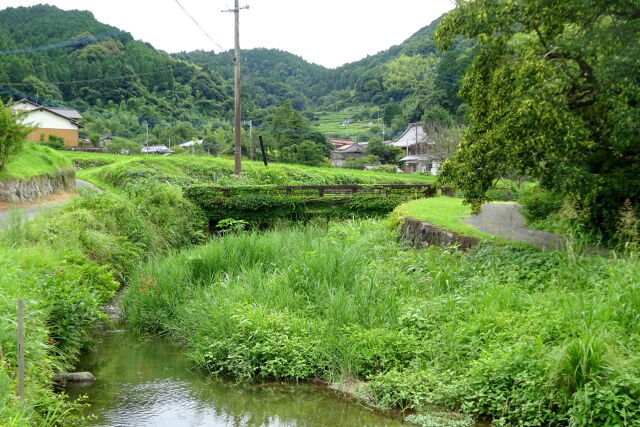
[420,150]
[162,150]
[355,150]
[49,121]
[338,142]
[191,143]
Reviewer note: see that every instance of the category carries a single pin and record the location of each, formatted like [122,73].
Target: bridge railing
[424,190]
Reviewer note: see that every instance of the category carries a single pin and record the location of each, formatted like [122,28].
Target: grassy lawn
[34,159]
[446,212]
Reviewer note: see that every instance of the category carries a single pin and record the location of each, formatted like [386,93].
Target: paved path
[30,212]
[505,220]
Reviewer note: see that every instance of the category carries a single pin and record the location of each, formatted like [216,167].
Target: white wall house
[48,121]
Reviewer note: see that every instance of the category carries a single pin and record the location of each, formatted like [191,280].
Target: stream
[149,383]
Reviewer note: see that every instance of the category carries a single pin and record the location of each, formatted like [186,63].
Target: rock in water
[74,377]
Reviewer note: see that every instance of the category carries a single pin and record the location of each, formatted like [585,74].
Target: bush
[538,204]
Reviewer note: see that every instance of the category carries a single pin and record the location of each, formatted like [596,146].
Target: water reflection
[149,384]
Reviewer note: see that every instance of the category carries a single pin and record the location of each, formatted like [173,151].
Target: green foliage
[305,153]
[522,336]
[34,159]
[230,225]
[538,204]
[264,205]
[66,265]
[360,162]
[123,146]
[54,143]
[563,113]
[12,134]
[388,154]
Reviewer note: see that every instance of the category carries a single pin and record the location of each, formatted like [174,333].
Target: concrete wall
[422,234]
[30,189]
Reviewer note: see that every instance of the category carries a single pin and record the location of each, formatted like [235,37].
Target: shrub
[538,204]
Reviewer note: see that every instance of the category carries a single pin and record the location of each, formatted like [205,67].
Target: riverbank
[499,331]
[65,264]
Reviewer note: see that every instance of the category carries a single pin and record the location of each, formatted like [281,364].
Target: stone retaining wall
[29,189]
[421,234]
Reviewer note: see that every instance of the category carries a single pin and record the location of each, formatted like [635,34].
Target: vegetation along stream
[144,383]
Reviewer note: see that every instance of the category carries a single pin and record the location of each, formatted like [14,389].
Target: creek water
[149,383]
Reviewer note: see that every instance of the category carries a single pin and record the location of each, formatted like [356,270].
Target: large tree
[554,94]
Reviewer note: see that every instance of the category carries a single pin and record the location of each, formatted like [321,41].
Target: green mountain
[75,60]
[118,83]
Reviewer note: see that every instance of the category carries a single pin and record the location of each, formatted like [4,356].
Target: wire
[199,26]
[69,43]
[124,76]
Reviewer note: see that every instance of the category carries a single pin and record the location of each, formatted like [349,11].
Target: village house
[162,150]
[420,155]
[355,150]
[49,121]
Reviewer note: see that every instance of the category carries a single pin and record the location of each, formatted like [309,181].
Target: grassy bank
[188,170]
[523,336]
[65,265]
[446,212]
[34,159]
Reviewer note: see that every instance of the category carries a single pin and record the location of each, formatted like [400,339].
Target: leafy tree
[288,126]
[391,110]
[95,139]
[437,116]
[12,134]
[210,145]
[386,153]
[305,153]
[360,162]
[554,94]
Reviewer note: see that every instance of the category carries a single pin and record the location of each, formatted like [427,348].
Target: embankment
[23,190]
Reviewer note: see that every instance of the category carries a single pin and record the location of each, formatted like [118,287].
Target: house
[355,150]
[49,121]
[337,142]
[191,143]
[162,150]
[104,140]
[420,150]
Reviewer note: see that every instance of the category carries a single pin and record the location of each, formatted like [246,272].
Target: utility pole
[251,139]
[237,128]
[146,142]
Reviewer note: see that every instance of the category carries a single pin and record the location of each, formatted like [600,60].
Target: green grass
[33,160]
[445,212]
[526,337]
[66,264]
[186,170]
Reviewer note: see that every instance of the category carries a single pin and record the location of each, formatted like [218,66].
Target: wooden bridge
[341,191]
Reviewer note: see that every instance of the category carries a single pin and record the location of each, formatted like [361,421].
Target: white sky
[327,32]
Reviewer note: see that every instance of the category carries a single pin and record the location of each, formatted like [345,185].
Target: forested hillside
[119,83]
[72,59]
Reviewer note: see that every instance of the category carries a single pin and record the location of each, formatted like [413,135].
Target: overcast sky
[327,32]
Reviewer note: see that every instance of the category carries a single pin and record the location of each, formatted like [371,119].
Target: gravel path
[28,213]
[505,220]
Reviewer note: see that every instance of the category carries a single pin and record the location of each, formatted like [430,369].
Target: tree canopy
[553,93]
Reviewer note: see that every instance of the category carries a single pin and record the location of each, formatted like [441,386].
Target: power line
[199,26]
[123,76]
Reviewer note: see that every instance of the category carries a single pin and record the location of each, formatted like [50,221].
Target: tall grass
[520,335]
[66,264]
